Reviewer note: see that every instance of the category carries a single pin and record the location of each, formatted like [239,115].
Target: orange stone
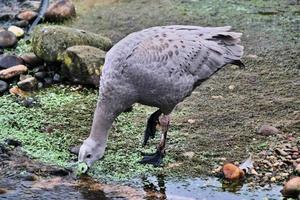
[232,172]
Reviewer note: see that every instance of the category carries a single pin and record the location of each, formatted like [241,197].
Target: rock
[292,188]
[27,15]
[231,87]
[189,154]
[29,177]
[7,61]
[82,64]
[28,84]
[7,39]
[49,42]
[3,86]
[31,59]
[232,172]
[60,10]
[3,191]
[13,71]
[19,32]
[56,78]
[17,91]
[267,130]
[40,75]
[13,142]
[48,81]
[281,152]
[22,23]
[297,169]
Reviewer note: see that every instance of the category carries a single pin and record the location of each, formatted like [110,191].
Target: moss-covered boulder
[49,42]
[83,64]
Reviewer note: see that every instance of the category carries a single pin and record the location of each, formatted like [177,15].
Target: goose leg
[151,126]
[157,157]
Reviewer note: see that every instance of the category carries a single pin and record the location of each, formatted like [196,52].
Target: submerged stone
[49,42]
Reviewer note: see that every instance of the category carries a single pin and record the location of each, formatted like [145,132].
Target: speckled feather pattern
[161,66]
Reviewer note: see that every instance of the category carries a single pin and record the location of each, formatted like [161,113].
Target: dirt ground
[265,92]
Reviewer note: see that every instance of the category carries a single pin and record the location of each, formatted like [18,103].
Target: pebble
[267,130]
[27,15]
[7,39]
[21,23]
[7,61]
[17,91]
[13,71]
[60,10]
[232,172]
[40,75]
[281,152]
[292,188]
[297,169]
[31,59]
[19,32]
[189,154]
[28,84]
[231,87]
[56,78]
[3,86]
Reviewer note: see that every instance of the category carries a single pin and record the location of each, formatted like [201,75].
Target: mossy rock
[83,64]
[50,41]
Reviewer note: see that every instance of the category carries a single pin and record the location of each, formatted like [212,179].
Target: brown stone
[27,15]
[7,39]
[28,84]
[60,10]
[13,71]
[292,188]
[232,172]
[17,91]
[31,59]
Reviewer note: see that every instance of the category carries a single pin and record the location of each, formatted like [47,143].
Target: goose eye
[88,156]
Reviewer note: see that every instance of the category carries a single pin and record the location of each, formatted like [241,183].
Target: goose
[158,67]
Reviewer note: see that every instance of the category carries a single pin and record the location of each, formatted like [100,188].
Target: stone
[56,78]
[27,15]
[189,154]
[291,188]
[267,130]
[28,84]
[40,75]
[7,39]
[82,64]
[31,59]
[3,86]
[231,87]
[17,91]
[7,61]
[21,23]
[19,32]
[60,10]
[49,42]
[13,71]
[297,169]
[232,172]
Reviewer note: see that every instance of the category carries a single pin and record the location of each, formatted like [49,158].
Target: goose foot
[154,159]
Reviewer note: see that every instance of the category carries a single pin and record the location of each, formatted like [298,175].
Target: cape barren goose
[160,67]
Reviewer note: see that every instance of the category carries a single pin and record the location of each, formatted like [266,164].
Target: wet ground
[224,121]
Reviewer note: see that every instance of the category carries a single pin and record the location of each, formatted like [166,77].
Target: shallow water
[144,188]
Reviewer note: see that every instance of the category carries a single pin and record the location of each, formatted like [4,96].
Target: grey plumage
[160,66]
